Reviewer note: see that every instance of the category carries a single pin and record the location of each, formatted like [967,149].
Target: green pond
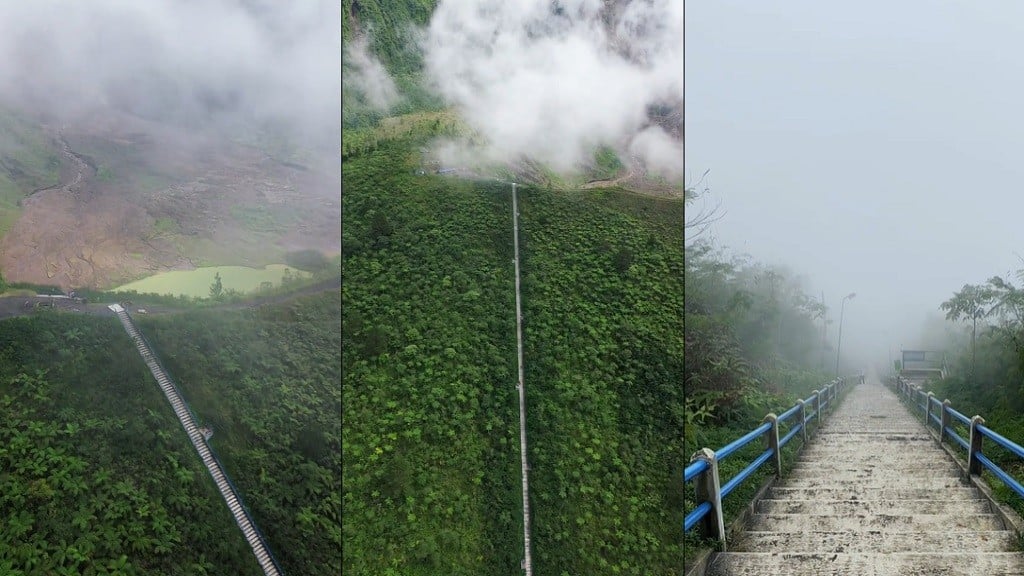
[197,282]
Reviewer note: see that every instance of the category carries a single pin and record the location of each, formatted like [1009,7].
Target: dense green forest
[97,476]
[430,429]
[753,345]
[390,31]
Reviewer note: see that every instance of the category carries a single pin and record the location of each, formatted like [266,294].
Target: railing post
[973,464]
[772,441]
[803,420]
[817,409]
[946,404]
[928,410]
[709,489]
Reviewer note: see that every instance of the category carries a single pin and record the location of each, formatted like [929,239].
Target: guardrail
[941,416]
[703,468]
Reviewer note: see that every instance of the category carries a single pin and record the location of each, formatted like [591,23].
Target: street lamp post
[839,344]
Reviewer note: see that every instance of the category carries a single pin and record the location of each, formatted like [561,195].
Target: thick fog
[554,85]
[210,63]
[873,147]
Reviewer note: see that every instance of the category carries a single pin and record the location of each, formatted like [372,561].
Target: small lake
[197,282]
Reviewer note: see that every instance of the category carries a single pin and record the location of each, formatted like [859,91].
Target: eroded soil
[137,198]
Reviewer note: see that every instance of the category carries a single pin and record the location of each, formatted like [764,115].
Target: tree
[697,225]
[623,260]
[971,302]
[217,288]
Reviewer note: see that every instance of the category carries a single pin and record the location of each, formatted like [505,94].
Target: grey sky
[874,147]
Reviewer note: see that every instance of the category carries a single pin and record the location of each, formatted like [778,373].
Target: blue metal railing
[976,459]
[703,469]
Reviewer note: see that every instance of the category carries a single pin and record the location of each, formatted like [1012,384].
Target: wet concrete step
[873,484]
[898,467]
[867,522]
[858,454]
[875,541]
[912,432]
[853,507]
[963,492]
[868,564]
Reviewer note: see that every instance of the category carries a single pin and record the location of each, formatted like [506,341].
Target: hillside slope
[431,482]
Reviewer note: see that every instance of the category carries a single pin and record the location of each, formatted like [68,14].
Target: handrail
[976,459]
[743,441]
[703,468]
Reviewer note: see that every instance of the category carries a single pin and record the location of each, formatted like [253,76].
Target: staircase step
[875,541]
[853,507]
[873,484]
[853,492]
[837,457]
[868,564]
[906,469]
[867,522]
[881,438]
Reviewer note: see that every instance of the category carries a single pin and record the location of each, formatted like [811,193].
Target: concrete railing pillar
[803,420]
[772,442]
[928,410]
[709,489]
[817,408]
[973,464]
[944,417]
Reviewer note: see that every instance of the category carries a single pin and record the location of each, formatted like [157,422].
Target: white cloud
[203,61]
[554,85]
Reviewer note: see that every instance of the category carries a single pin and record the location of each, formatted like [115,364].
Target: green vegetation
[607,164]
[266,380]
[29,161]
[431,415]
[417,126]
[104,174]
[753,346]
[96,475]
[986,369]
[164,227]
[307,260]
[390,25]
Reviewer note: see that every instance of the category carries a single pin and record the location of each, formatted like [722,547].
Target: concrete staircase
[871,495]
[227,490]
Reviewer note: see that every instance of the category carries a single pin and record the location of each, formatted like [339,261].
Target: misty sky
[872,147]
[243,60]
[554,87]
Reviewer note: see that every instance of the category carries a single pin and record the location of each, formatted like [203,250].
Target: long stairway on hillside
[227,490]
[872,495]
